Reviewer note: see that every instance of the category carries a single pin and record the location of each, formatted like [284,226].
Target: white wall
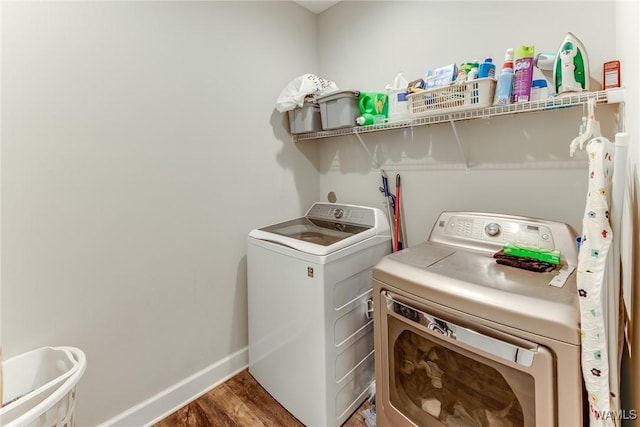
[518,164]
[627,44]
[139,146]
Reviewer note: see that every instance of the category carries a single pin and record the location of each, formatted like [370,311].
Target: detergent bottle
[369,119]
[505,81]
[487,69]
[473,72]
[374,108]
[398,99]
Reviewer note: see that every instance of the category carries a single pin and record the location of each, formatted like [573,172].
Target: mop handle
[396,218]
[388,198]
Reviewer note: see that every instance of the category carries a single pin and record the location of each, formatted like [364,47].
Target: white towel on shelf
[294,93]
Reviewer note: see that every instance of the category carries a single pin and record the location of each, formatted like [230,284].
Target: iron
[571,71]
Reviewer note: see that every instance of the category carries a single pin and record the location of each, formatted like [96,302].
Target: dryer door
[440,368]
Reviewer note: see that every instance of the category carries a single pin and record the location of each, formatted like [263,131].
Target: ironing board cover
[592,259]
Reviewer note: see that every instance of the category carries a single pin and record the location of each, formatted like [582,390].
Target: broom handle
[396,219]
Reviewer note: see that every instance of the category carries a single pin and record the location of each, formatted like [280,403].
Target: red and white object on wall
[611,74]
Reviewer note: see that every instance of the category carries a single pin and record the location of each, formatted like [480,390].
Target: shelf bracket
[455,132]
[373,160]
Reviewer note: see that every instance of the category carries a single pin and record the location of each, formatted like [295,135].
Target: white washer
[310,325]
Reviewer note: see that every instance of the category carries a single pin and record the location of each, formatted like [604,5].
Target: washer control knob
[338,213]
[492,229]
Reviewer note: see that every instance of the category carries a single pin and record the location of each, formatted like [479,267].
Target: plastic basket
[39,387]
[456,97]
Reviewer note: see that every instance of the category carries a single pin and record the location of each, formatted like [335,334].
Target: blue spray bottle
[505,81]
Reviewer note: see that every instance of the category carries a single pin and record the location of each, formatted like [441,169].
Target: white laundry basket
[39,387]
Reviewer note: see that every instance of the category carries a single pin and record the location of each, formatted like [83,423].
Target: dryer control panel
[490,232]
[500,230]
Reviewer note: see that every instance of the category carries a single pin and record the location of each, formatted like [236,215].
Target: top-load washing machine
[310,299]
[462,340]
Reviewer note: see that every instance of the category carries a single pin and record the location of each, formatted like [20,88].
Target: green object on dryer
[552,257]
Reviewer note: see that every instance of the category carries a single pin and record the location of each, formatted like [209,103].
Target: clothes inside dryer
[454,388]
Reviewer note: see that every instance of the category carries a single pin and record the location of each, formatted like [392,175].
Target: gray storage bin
[305,119]
[339,109]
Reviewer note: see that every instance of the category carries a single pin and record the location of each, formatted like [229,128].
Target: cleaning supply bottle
[539,90]
[505,81]
[463,72]
[523,74]
[473,72]
[369,119]
[466,67]
[487,69]
[374,108]
[398,99]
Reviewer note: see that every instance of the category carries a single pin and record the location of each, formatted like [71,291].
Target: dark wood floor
[241,402]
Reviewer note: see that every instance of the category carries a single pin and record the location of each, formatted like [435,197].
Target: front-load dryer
[309,303]
[462,340]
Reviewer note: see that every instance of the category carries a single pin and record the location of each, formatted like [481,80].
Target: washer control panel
[488,230]
[357,215]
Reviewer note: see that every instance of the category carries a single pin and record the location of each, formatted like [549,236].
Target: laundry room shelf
[609,96]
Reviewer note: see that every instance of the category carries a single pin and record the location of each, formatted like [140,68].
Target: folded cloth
[306,85]
[369,416]
[525,263]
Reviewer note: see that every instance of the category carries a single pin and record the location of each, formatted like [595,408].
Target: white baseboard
[173,398]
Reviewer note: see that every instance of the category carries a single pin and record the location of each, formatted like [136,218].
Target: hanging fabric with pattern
[592,261]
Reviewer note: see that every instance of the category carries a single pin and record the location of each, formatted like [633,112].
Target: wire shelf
[556,103]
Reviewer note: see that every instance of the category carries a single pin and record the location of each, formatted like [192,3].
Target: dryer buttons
[492,229]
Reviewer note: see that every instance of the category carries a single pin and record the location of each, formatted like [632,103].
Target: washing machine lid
[326,228]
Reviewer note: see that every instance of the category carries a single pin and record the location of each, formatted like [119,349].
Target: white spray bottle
[504,85]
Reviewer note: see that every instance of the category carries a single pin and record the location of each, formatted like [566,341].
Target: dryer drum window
[452,387]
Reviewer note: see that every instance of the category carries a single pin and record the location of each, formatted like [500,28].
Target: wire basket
[456,97]
[39,387]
